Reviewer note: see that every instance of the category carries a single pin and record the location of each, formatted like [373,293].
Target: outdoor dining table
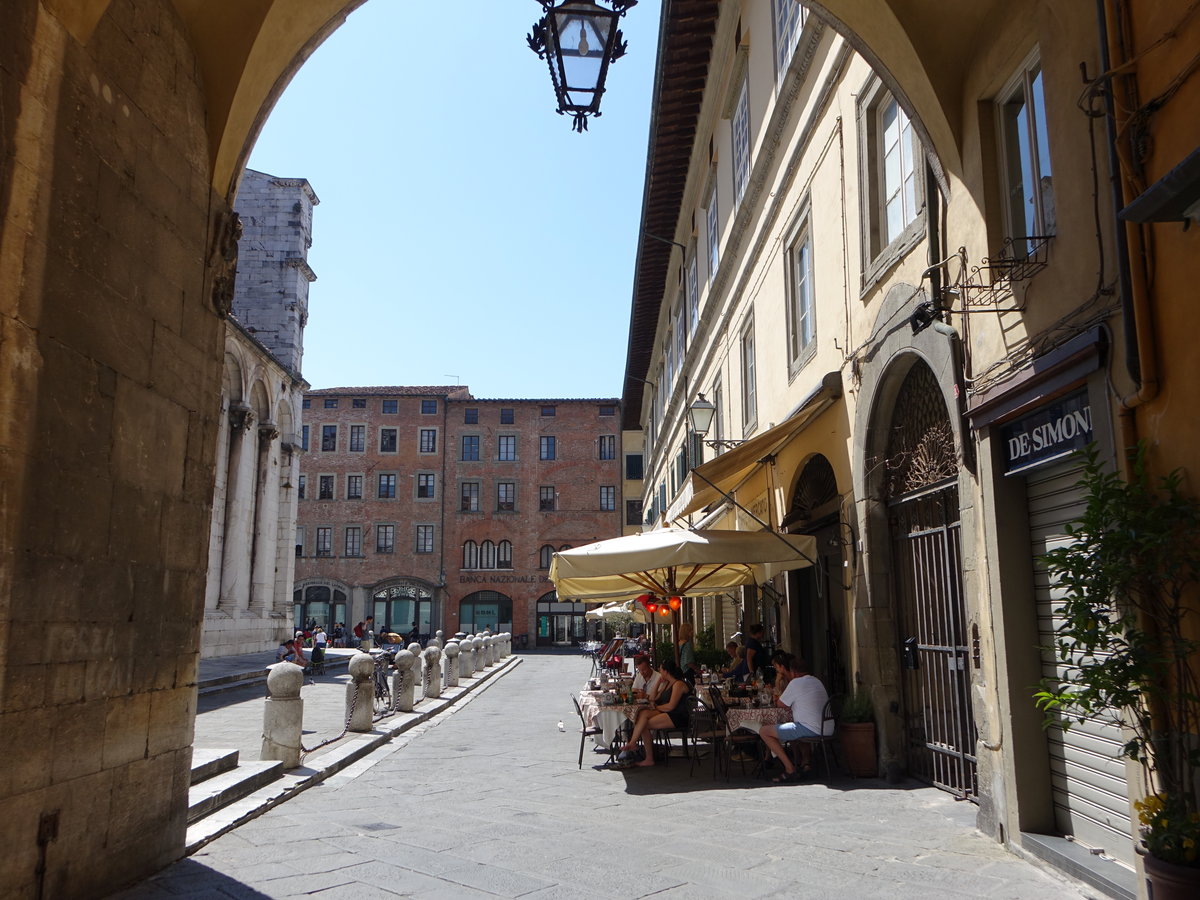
[609,717]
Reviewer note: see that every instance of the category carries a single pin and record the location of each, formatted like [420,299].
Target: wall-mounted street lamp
[579,39]
[700,416]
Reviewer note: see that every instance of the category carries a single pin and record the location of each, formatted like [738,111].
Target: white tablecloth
[609,718]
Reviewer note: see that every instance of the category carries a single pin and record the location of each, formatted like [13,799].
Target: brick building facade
[428,508]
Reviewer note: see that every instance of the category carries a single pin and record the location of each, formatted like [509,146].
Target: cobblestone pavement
[486,800]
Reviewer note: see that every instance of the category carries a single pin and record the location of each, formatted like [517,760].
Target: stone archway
[816,618]
[921,492]
[125,126]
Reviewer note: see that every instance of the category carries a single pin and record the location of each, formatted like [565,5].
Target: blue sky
[465,232]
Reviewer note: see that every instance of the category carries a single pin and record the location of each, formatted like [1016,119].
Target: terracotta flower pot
[1170,881]
[858,744]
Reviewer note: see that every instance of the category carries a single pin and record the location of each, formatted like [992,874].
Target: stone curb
[343,753]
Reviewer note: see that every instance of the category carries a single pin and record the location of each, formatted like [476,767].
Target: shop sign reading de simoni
[1048,433]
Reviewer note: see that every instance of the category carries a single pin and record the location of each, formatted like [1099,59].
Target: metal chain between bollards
[304,751]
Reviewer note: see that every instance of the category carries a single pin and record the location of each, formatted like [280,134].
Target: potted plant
[857,729]
[1129,577]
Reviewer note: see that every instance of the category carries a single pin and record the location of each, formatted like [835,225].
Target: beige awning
[713,480]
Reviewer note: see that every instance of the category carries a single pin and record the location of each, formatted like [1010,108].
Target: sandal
[785,777]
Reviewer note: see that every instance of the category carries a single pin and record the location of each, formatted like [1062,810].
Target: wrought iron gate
[935,655]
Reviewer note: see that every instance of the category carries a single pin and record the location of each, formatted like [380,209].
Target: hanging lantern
[651,607]
[675,603]
[579,39]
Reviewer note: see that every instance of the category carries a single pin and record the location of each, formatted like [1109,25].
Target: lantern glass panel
[582,31]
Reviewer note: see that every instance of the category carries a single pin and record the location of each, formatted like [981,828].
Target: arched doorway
[815,622]
[402,607]
[559,623]
[485,609]
[321,603]
[921,491]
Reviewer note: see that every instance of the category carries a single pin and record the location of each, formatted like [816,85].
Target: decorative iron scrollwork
[1019,259]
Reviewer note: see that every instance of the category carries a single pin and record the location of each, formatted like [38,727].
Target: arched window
[402,607]
[564,547]
[485,609]
[504,555]
[470,555]
[318,602]
[487,555]
[545,556]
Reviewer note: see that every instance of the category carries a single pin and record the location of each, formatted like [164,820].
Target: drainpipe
[1141,357]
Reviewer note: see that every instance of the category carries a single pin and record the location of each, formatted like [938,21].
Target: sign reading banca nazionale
[1052,431]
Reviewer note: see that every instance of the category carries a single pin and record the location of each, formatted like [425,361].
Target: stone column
[362,668]
[433,671]
[452,663]
[266,520]
[285,546]
[239,511]
[283,714]
[216,526]
[403,681]
[466,658]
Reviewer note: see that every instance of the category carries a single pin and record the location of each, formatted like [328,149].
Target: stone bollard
[451,663]
[489,650]
[505,645]
[404,682]
[439,638]
[362,668]
[433,671]
[480,654]
[466,658]
[283,715]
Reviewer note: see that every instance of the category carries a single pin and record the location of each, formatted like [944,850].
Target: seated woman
[737,665]
[669,710]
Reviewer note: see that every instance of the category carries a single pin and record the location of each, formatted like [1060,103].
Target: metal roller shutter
[1090,790]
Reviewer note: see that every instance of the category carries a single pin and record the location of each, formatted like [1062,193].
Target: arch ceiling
[248,50]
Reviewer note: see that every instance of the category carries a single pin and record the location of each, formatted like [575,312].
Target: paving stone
[486,799]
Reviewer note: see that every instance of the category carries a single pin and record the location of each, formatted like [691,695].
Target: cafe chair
[662,736]
[707,729]
[828,732]
[586,731]
[744,743]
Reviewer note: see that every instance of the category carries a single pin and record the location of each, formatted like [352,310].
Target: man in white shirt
[645,679]
[806,697]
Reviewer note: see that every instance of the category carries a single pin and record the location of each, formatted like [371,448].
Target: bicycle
[384,663]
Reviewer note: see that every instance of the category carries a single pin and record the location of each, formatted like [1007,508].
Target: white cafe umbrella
[676,561]
[626,608]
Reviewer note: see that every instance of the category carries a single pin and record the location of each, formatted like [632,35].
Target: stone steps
[218,779]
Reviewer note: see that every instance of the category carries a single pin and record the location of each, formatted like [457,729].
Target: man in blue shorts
[806,697]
